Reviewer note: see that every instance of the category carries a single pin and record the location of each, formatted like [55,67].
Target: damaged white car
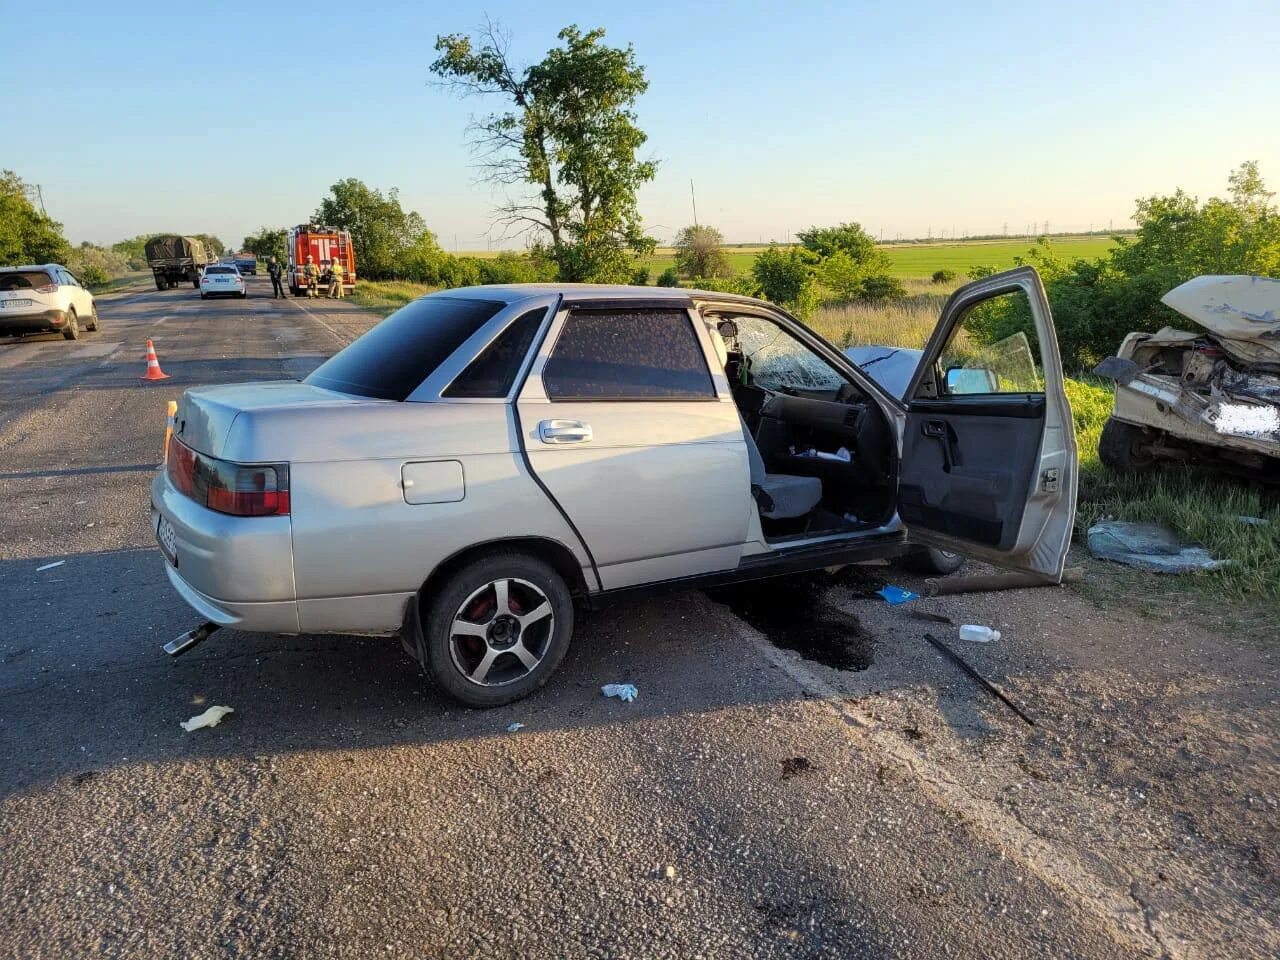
[1211,396]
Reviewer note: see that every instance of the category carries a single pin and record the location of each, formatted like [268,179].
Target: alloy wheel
[501,632]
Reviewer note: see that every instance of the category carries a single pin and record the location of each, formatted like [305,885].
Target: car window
[777,360]
[493,372]
[392,359]
[24,280]
[989,351]
[220,270]
[628,355]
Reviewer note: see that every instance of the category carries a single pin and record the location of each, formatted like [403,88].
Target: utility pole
[40,194]
[694,198]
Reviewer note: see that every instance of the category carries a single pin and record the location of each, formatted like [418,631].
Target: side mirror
[962,380]
[728,329]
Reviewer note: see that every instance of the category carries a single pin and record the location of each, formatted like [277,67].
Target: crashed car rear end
[1209,396]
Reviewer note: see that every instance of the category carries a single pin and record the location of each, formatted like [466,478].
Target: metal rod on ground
[986,684]
[997,581]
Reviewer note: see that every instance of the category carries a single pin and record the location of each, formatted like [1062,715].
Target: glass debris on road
[1148,546]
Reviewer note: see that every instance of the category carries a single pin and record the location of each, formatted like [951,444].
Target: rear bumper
[231,570]
[32,320]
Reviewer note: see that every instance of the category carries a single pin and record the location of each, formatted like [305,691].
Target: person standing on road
[312,274]
[277,272]
[336,274]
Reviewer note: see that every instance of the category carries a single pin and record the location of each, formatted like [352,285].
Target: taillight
[48,288]
[242,490]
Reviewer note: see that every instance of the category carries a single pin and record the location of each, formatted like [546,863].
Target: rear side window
[392,359]
[493,372]
[24,280]
[628,355]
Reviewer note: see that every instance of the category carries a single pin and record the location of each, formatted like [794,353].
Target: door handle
[938,430]
[564,431]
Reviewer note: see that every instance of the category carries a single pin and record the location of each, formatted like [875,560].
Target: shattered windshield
[779,360]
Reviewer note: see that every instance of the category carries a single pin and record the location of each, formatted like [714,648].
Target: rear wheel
[498,629]
[159,283]
[94,323]
[1125,448]
[72,329]
[932,560]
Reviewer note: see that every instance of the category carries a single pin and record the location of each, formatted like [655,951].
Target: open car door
[988,450]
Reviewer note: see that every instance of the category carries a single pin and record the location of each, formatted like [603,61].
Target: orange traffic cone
[153,365]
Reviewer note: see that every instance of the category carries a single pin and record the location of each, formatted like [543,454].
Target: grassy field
[908,260]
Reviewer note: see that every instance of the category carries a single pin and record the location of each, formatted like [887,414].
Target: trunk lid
[205,414]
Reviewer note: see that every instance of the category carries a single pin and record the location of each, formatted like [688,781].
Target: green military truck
[174,259]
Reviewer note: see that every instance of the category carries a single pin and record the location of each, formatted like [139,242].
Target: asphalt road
[740,807]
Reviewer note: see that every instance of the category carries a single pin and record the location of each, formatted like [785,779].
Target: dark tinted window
[24,280]
[627,355]
[221,270]
[492,373]
[389,361]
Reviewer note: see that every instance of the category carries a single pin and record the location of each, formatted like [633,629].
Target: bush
[94,277]
[669,277]
[510,268]
[786,278]
[640,278]
[743,286]
[882,287]
[944,276]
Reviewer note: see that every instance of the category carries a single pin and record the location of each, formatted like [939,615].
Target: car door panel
[991,475]
[658,489]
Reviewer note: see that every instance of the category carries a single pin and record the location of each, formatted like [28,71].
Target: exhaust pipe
[189,639]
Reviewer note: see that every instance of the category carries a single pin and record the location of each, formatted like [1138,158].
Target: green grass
[385,296]
[920,260]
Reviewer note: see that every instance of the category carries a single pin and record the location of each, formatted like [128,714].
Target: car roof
[586,292]
[34,266]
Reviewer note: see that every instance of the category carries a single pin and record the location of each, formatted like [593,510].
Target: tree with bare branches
[565,147]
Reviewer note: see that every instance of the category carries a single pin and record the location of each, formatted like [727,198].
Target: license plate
[168,540]
[15,303]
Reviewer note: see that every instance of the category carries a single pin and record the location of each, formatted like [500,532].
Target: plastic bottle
[978,634]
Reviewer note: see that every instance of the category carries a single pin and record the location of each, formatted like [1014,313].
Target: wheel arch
[550,551]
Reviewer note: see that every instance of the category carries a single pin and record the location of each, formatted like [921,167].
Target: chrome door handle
[563,431]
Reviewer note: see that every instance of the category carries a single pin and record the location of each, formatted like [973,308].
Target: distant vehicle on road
[484,457]
[175,259]
[248,266]
[39,299]
[324,244]
[222,280]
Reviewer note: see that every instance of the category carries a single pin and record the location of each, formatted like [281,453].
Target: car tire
[932,560]
[94,324]
[72,330]
[243,294]
[453,660]
[1122,447]
[204,296]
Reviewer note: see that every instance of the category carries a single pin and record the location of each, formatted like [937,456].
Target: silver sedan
[484,458]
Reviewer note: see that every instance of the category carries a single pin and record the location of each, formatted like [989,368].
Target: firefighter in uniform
[335,280]
[312,275]
[277,272]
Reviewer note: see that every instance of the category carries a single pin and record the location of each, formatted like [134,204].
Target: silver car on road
[485,457]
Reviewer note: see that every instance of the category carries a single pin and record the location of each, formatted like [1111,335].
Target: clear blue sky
[905,117]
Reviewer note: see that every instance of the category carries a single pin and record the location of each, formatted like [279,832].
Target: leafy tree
[96,267]
[848,238]
[842,274]
[640,277]
[566,145]
[268,243]
[669,277]
[26,234]
[786,278]
[383,234]
[700,253]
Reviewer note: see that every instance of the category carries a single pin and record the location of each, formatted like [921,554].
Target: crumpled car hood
[1239,308]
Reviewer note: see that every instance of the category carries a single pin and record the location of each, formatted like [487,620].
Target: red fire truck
[325,244]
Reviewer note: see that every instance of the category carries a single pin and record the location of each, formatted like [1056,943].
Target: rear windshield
[24,280]
[393,358]
[220,270]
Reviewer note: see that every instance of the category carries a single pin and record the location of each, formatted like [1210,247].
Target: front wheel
[932,560]
[1125,448]
[497,630]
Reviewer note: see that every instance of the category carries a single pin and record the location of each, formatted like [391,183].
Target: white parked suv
[38,299]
